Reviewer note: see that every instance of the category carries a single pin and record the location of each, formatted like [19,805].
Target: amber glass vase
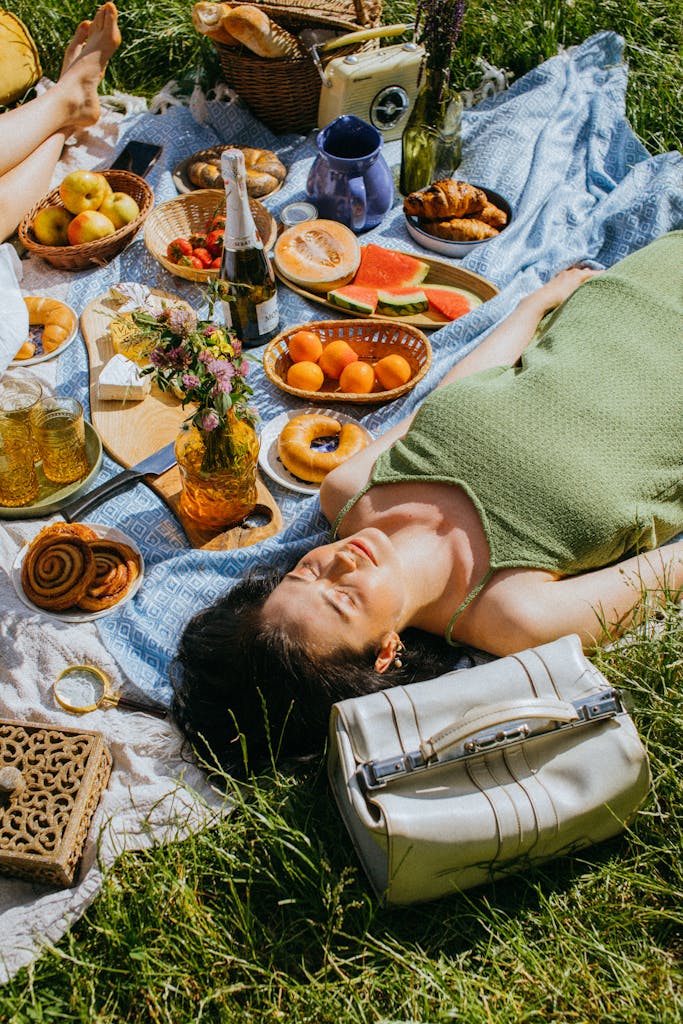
[218,473]
[432,140]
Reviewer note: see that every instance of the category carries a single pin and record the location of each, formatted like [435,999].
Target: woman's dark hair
[236,674]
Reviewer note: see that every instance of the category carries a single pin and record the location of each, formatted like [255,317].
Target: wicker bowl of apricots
[348,360]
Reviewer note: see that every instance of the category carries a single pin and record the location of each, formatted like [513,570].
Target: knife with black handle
[153,465]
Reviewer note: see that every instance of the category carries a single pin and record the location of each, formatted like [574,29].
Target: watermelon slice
[354,297]
[401,301]
[448,301]
[385,268]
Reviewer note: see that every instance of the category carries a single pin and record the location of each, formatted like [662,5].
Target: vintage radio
[378,86]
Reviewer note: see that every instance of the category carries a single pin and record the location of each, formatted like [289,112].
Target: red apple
[83,190]
[50,225]
[89,226]
[120,208]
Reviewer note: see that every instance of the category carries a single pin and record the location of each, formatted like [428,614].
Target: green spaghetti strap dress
[574,457]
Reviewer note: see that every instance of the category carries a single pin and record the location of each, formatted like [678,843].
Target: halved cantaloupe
[319,255]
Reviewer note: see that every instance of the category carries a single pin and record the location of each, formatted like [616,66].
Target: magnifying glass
[82,688]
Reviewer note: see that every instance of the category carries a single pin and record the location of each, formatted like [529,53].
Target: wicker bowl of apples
[88,220]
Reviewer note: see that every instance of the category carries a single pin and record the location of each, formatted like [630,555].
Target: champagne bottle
[246,282]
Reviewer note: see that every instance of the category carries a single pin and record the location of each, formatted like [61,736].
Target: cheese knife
[153,465]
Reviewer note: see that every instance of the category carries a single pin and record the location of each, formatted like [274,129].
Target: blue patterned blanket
[556,144]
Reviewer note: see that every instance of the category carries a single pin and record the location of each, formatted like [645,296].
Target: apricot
[336,355]
[392,371]
[306,376]
[305,346]
[357,378]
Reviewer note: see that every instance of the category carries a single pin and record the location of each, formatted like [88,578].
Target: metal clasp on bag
[373,775]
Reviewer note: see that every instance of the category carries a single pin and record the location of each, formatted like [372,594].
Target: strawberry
[177,248]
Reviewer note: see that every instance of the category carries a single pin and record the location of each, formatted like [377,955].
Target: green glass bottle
[431,141]
[246,282]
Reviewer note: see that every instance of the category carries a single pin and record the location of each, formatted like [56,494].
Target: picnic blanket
[581,186]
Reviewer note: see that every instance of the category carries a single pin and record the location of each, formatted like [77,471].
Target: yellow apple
[83,190]
[50,225]
[89,226]
[120,208]
[107,187]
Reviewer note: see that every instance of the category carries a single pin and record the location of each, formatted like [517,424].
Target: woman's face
[347,594]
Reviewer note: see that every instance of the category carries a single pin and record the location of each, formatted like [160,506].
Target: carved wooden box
[51,781]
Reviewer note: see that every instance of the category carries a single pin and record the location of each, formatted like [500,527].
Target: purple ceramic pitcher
[350,181]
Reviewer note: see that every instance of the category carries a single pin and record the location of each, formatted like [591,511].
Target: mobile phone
[138,157]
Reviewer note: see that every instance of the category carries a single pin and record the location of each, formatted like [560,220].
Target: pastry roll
[493,216]
[445,199]
[460,229]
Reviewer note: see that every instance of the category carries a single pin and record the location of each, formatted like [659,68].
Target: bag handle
[488,717]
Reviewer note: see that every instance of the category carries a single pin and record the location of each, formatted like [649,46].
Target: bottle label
[267,315]
[237,243]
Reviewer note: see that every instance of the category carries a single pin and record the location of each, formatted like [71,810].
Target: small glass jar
[296,213]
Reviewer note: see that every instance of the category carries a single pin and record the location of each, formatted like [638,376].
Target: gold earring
[400,646]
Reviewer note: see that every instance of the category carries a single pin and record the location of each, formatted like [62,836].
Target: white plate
[269,460]
[106,533]
[36,334]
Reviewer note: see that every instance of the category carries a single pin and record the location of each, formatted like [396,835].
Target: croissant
[57,318]
[445,199]
[460,229]
[493,216]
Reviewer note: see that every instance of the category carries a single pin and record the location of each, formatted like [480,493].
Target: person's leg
[32,136]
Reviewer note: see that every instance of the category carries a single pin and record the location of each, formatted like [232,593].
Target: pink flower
[210,420]
[190,380]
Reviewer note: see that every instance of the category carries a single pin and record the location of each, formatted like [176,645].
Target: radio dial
[389,107]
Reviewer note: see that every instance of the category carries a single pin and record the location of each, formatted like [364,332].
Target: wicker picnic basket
[284,94]
[371,339]
[101,251]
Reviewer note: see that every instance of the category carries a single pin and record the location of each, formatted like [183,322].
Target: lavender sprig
[438,24]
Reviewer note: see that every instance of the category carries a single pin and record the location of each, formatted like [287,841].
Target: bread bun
[255,30]
[310,464]
[57,319]
[206,18]
[265,171]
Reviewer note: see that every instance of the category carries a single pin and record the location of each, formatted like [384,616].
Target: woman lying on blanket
[506,512]
[32,136]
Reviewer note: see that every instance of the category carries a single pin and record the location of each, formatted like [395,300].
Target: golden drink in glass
[58,427]
[18,394]
[18,480]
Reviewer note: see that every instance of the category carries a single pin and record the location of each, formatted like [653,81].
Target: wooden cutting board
[131,431]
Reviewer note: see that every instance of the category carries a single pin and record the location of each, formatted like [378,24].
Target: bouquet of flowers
[203,364]
[438,24]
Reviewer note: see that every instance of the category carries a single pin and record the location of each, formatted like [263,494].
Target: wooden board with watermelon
[388,284]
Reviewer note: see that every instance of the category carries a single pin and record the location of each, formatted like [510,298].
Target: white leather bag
[458,780]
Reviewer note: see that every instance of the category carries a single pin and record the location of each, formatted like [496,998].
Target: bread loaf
[265,171]
[206,18]
[255,30]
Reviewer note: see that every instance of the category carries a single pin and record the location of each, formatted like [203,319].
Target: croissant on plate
[459,229]
[444,200]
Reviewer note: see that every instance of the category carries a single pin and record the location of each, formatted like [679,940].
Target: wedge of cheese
[121,381]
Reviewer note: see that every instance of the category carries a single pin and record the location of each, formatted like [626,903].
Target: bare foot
[89,56]
[74,48]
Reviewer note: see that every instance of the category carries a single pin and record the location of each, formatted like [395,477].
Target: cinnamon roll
[58,568]
[116,568]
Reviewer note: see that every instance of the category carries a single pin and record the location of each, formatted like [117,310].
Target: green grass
[267,916]
[160,43]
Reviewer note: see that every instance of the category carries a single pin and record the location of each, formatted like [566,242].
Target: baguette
[254,29]
[206,18]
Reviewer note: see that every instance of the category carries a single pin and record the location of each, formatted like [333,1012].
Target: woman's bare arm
[522,608]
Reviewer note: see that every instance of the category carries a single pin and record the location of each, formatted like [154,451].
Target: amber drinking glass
[18,480]
[58,427]
[18,394]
